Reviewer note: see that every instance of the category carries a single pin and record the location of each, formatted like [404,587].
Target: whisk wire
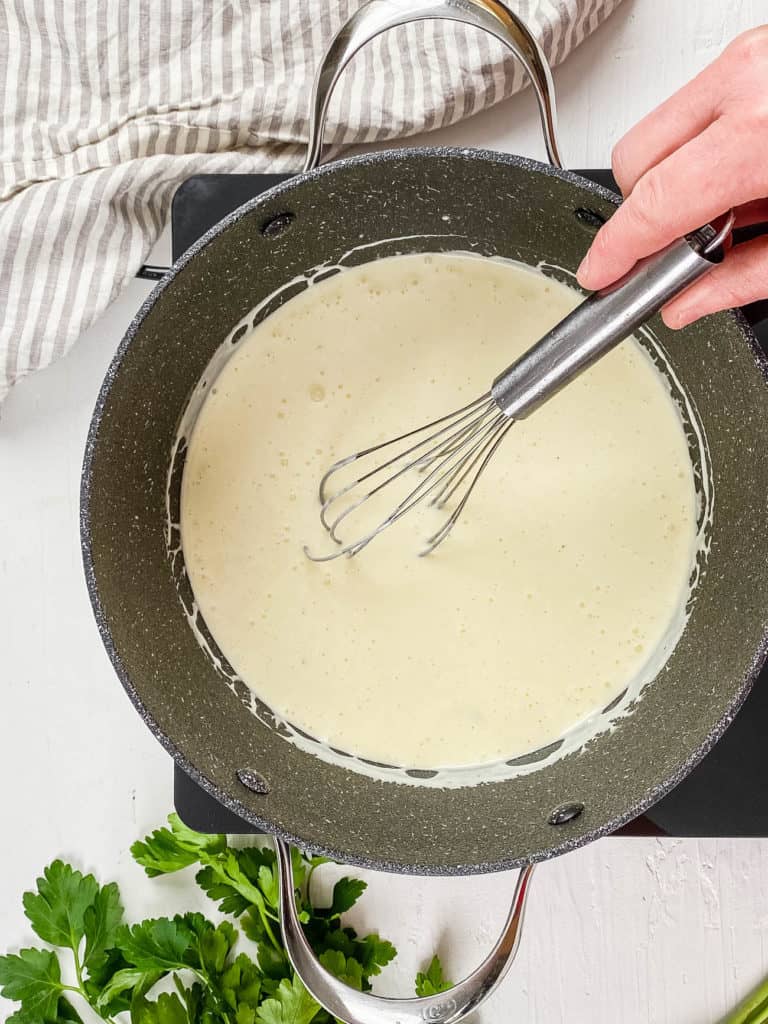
[458,450]
[456,476]
[356,456]
[425,488]
[437,450]
[485,455]
[414,464]
[414,496]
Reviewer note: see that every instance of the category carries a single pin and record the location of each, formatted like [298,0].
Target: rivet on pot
[276,225]
[589,218]
[252,780]
[565,813]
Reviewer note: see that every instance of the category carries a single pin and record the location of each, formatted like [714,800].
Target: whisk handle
[604,319]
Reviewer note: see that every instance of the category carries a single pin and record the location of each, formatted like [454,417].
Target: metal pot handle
[377,16]
[353,1007]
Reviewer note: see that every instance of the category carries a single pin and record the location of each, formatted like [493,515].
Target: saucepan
[372,206]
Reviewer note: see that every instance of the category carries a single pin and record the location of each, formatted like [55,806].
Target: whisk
[449,455]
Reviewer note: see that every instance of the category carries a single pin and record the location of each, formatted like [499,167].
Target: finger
[741,278]
[680,118]
[695,184]
[752,213]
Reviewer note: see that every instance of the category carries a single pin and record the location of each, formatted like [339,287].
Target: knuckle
[602,244]
[750,46]
[644,208]
[620,163]
[609,250]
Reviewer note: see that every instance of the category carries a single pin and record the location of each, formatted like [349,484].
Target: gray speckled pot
[506,206]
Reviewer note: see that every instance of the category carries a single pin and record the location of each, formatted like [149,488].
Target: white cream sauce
[563,584]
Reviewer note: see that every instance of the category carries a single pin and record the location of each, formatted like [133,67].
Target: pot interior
[419,201]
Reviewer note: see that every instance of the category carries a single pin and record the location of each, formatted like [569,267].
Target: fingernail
[675,318]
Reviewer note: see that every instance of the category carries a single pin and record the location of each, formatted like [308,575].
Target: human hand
[702,151]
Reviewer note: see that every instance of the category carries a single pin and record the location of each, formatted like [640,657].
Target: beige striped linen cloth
[107,105]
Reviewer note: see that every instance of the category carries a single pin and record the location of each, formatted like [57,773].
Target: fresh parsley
[186,969]
[431,982]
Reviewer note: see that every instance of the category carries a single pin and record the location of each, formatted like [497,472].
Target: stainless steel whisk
[451,453]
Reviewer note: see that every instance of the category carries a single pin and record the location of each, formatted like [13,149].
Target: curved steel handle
[377,16]
[353,1007]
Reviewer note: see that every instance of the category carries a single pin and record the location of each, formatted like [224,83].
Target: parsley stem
[78,966]
[267,927]
[84,995]
[206,982]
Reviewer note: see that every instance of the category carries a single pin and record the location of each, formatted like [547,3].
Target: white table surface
[627,929]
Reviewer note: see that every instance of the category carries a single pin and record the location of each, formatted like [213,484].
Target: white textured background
[629,930]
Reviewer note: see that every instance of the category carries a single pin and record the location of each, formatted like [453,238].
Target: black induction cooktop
[726,795]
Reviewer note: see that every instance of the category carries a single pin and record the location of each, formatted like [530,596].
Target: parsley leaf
[101,921]
[232,877]
[159,944]
[431,982]
[213,943]
[196,1002]
[274,963]
[33,978]
[68,1014]
[269,885]
[65,1014]
[374,953]
[131,980]
[291,1004]
[253,926]
[300,867]
[57,910]
[101,972]
[346,893]
[371,953]
[241,988]
[167,1009]
[166,851]
[117,966]
[253,858]
[222,892]
[345,969]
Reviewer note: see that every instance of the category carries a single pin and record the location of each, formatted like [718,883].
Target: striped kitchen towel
[107,105]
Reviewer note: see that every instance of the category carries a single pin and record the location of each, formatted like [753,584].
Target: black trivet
[726,795]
